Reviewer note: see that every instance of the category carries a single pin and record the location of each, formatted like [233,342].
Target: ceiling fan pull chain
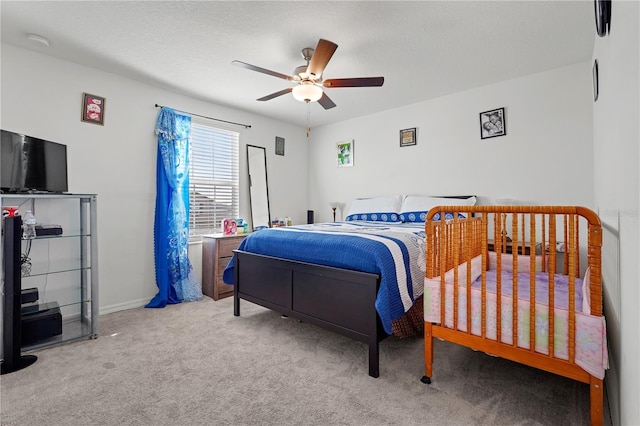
[308,119]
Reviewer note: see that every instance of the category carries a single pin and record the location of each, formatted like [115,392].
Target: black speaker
[11,324]
[309,216]
[46,322]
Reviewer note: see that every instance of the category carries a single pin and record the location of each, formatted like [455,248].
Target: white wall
[617,188]
[545,157]
[41,96]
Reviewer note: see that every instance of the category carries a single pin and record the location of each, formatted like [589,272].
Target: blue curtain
[174,274]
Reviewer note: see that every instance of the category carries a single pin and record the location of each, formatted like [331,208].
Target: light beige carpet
[197,364]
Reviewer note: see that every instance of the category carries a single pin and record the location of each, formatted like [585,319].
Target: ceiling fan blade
[354,82]
[321,55]
[326,102]
[276,94]
[262,70]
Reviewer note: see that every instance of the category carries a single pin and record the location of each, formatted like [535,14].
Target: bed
[525,271]
[362,278]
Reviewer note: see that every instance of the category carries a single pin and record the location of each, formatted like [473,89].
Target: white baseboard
[123,306]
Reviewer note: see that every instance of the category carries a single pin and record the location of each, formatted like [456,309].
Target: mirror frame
[255,194]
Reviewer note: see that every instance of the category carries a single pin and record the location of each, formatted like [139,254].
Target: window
[213,179]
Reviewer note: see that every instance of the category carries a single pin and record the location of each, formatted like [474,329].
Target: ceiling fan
[308,78]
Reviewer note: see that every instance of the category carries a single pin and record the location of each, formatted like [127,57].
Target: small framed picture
[596,84]
[408,137]
[279,145]
[93,109]
[345,153]
[492,123]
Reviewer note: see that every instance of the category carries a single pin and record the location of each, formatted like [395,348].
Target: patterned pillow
[377,217]
[379,209]
[415,207]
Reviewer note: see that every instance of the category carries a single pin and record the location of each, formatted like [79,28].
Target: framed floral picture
[345,153]
[93,109]
[492,123]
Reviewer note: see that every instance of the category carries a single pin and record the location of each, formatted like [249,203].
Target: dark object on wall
[12,329]
[492,123]
[602,9]
[309,216]
[279,145]
[93,109]
[596,82]
[408,137]
[30,164]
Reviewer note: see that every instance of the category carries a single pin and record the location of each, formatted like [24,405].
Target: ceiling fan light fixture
[307,92]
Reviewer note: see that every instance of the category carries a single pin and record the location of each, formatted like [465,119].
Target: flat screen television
[29,164]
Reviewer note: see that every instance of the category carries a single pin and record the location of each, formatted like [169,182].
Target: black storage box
[42,230]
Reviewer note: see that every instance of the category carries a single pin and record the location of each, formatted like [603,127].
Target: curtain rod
[246,126]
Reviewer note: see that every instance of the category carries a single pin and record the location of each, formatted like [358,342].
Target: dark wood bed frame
[339,300]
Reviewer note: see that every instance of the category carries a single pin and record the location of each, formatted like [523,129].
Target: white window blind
[213,179]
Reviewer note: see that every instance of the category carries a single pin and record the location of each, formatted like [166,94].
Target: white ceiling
[424,49]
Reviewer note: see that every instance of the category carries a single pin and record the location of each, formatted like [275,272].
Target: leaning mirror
[258,188]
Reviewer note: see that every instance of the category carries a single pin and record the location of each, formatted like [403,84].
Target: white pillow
[384,209]
[415,207]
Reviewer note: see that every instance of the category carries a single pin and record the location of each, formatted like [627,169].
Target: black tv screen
[29,164]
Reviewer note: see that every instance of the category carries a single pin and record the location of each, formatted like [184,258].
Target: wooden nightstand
[217,251]
[507,247]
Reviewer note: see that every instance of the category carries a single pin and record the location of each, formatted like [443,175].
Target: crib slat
[544,242]
[468,238]
[570,257]
[485,265]
[514,280]
[498,248]
[456,261]
[552,271]
[442,240]
[532,285]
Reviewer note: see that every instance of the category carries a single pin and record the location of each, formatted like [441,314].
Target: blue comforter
[394,251]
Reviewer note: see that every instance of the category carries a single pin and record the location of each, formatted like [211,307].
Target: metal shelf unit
[64,268]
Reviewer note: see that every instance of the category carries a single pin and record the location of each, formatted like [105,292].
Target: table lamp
[334,205]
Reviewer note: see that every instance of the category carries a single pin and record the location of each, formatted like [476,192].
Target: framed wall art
[279,145]
[93,109]
[492,123]
[345,153]
[408,137]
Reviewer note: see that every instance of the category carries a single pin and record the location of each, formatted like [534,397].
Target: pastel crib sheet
[590,331]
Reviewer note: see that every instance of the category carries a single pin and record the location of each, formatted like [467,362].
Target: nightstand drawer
[222,264]
[227,245]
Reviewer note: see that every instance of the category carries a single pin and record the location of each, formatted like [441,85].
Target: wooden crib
[519,261]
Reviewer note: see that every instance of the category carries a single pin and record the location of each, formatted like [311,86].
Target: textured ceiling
[424,49]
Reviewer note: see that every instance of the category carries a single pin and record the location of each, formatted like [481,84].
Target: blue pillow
[422,216]
[413,216]
[377,217]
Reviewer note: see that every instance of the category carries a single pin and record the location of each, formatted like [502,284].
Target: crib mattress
[590,335]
